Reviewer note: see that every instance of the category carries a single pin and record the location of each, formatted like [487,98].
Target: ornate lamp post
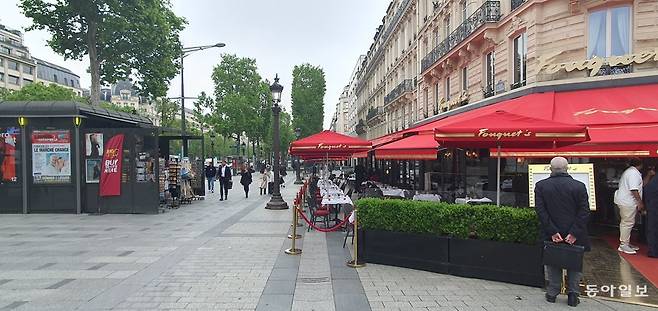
[212,147]
[277,202]
[298,178]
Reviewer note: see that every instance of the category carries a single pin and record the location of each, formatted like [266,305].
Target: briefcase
[564,255]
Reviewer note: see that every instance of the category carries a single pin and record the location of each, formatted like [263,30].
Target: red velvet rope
[332,229]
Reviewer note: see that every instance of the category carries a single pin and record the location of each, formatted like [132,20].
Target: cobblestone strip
[313,290]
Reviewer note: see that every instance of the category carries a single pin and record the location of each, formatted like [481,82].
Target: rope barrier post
[294,236]
[354,263]
[295,222]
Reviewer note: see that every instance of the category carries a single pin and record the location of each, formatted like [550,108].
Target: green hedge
[486,222]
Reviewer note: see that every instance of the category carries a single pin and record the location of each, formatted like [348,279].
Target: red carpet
[641,262]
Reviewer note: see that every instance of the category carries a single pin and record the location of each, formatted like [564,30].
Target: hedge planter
[489,260]
[408,250]
[497,261]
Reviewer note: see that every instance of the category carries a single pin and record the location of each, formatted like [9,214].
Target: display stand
[174,183]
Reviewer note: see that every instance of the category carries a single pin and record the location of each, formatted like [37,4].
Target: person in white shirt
[629,201]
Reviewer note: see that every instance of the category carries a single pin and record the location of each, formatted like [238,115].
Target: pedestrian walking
[628,199]
[282,173]
[245,179]
[651,208]
[563,209]
[211,172]
[225,179]
[264,180]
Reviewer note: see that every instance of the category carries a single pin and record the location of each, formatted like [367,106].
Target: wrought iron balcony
[360,128]
[517,3]
[488,91]
[372,113]
[487,13]
[607,70]
[517,85]
[406,86]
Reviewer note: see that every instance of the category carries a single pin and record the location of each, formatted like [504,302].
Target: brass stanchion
[563,286]
[354,263]
[293,250]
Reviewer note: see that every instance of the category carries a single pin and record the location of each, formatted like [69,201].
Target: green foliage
[308,89]
[486,222]
[167,111]
[115,107]
[137,38]
[41,92]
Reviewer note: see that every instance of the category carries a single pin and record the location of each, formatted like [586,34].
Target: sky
[278,34]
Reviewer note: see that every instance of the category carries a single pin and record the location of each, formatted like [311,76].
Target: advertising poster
[94,145]
[580,172]
[93,171]
[110,183]
[8,140]
[51,157]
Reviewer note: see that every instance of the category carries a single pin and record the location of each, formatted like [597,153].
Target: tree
[239,93]
[308,88]
[42,92]
[167,112]
[123,39]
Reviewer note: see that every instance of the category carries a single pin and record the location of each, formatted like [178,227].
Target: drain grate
[314,280]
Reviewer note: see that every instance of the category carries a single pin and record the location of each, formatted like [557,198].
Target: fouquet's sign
[595,64]
[323,146]
[485,133]
[110,183]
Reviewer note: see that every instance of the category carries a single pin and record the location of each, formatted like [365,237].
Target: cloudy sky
[278,34]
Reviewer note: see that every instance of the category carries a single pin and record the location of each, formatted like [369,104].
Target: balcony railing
[360,128]
[408,85]
[487,13]
[488,91]
[516,3]
[372,113]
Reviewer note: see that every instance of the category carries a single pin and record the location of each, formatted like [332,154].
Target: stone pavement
[215,255]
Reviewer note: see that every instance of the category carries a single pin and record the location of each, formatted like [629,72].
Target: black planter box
[489,260]
[497,261]
[408,250]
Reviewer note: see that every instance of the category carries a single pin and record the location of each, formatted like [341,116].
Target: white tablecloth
[331,191]
[334,200]
[393,192]
[468,201]
[427,197]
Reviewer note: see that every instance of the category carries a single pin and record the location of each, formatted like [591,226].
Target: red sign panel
[110,183]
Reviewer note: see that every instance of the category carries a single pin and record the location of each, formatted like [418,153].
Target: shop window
[520,55]
[609,32]
[490,74]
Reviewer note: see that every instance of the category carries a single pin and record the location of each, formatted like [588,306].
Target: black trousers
[652,230]
[223,188]
[246,190]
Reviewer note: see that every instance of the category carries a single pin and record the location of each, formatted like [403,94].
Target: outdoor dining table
[392,192]
[427,197]
[473,201]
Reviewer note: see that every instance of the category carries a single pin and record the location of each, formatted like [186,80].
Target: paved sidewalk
[228,255]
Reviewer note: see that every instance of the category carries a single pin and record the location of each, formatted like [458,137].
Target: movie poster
[94,145]
[93,171]
[51,157]
[8,145]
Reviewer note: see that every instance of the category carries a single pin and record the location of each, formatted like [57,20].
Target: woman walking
[245,179]
[264,180]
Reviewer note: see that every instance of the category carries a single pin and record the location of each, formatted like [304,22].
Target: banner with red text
[110,184]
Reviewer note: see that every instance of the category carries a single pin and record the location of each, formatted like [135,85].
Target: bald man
[563,210]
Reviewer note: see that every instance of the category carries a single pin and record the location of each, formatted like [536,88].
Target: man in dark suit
[224,175]
[563,210]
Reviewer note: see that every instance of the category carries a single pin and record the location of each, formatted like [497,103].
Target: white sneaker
[635,248]
[626,249]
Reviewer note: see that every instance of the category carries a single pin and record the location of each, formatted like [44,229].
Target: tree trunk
[94,64]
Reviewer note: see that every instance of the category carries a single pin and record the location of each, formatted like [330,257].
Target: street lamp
[277,202]
[212,147]
[298,178]
[185,52]
[244,148]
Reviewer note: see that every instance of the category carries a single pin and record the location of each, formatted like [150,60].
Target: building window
[464,11]
[447,95]
[490,74]
[27,69]
[72,83]
[427,101]
[26,82]
[12,65]
[2,76]
[5,50]
[55,79]
[66,81]
[520,55]
[446,27]
[465,79]
[436,98]
[12,80]
[609,32]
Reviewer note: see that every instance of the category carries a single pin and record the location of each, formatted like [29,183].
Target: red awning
[416,147]
[502,128]
[360,155]
[329,143]
[386,139]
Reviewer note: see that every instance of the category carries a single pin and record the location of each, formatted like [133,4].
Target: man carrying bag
[563,210]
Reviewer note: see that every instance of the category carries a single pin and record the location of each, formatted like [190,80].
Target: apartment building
[17,67]
[49,73]
[429,58]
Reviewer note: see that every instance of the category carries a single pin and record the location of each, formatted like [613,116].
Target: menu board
[580,172]
[51,157]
